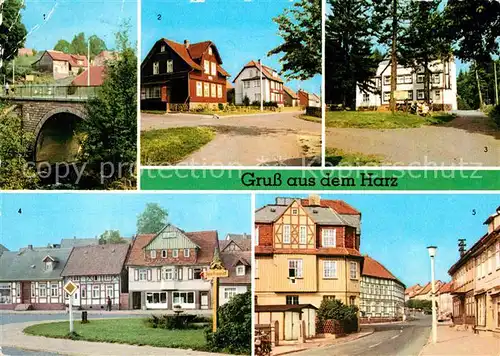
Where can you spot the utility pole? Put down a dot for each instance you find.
(88, 62)
(432, 254)
(261, 88)
(479, 89)
(496, 83)
(394, 61)
(13, 69)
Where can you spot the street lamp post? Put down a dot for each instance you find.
(432, 253)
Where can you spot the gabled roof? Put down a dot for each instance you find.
(428, 287)
(97, 76)
(206, 240)
(231, 260)
(413, 289)
(74, 242)
(28, 265)
(244, 245)
(373, 268)
(96, 260)
(237, 237)
(446, 288)
(65, 57)
(267, 72)
(290, 92)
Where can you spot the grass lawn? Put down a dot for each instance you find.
(154, 112)
(382, 120)
(170, 146)
(337, 157)
(124, 331)
(310, 118)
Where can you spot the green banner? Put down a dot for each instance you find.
(318, 179)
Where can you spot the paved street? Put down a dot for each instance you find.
(469, 140)
(388, 339)
(249, 140)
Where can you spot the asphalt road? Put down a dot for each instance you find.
(388, 339)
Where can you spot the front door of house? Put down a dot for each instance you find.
(292, 325)
(204, 300)
(136, 300)
(26, 293)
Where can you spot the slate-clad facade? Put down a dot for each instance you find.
(236, 256)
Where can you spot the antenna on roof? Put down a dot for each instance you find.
(462, 246)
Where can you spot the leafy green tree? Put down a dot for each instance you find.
(152, 219)
(474, 26)
(97, 45)
(234, 331)
(350, 60)
(109, 150)
(63, 46)
(423, 39)
(12, 31)
(79, 44)
(111, 237)
(300, 28)
(15, 173)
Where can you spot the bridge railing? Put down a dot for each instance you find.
(70, 92)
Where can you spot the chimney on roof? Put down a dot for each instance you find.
(493, 221)
(186, 43)
(314, 200)
(461, 247)
(30, 247)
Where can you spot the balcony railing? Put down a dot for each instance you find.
(49, 92)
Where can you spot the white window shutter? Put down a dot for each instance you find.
(136, 274)
(190, 273)
(158, 274)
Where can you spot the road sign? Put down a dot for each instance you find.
(216, 273)
(70, 288)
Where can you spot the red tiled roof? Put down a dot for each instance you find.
(206, 240)
(196, 50)
(413, 289)
(97, 76)
(290, 92)
(339, 206)
(65, 57)
(373, 268)
(229, 85)
(427, 288)
(181, 50)
(446, 288)
(96, 260)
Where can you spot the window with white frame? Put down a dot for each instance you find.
(410, 94)
(387, 80)
(199, 89)
(387, 96)
(170, 65)
(408, 79)
(229, 292)
(366, 97)
(246, 84)
(95, 292)
(219, 90)
(186, 252)
(240, 270)
(303, 235)
(156, 67)
(152, 253)
(143, 275)
(329, 237)
(83, 293)
(420, 78)
(214, 68)
(206, 65)
(286, 234)
(256, 83)
(353, 270)
(214, 90)
(54, 290)
(42, 290)
(329, 269)
(164, 253)
(109, 291)
(437, 95)
(32, 289)
(294, 268)
(175, 253)
(436, 78)
(168, 273)
(420, 94)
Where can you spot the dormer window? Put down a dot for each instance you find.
(186, 252)
(49, 265)
(175, 253)
(240, 270)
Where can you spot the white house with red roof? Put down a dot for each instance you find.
(61, 65)
(247, 84)
(166, 269)
(382, 294)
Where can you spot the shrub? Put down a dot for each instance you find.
(183, 321)
(221, 106)
(495, 115)
(233, 334)
(334, 309)
(246, 101)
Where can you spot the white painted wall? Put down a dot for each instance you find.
(240, 289)
(156, 283)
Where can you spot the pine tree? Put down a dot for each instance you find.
(349, 58)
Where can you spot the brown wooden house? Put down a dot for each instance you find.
(182, 76)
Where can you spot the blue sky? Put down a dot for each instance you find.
(396, 229)
(241, 30)
(62, 19)
(46, 218)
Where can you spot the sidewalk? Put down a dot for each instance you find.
(454, 343)
(287, 347)
(11, 335)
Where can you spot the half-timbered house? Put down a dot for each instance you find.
(166, 269)
(31, 278)
(190, 75)
(99, 272)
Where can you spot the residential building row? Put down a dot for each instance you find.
(152, 271)
(443, 296)
(476, 282)
(308, 250)
(410, 86)
(191, 75)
